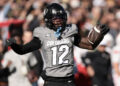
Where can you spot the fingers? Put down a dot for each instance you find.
(105, 31)
(103, 28)
(10, 41)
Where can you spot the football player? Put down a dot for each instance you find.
(56, 42)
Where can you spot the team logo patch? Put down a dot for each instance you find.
(47, 35)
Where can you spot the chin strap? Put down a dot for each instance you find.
(58, 32)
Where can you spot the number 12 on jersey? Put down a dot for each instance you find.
(60, 59)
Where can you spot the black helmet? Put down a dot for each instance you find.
(54, 10)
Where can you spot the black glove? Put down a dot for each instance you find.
(10, 41)
(102, 28)
(96, 34)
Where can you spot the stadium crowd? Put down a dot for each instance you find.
(18, 18)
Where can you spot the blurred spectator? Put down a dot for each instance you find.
(100, 3)
(1, 49)
(99, 66)
(114, 28)
(109, 42)
(74, 3)
(4, 72)
(4, 9)
(19, 63)
(5, 6)
(116, 61)
(28, 66)
(16, 29)
(80, 72)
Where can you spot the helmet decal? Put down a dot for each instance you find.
(45, 11)
(54, 11)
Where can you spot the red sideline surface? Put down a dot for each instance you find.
(11, 21)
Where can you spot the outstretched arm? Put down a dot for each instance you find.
(95, 36)
(22, 49)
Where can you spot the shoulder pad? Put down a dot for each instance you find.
(71, 29)
(37, 31)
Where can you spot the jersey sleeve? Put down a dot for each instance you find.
(34, 44)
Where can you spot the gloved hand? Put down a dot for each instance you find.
(96, 34)
(102, 28)
(10, 41)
